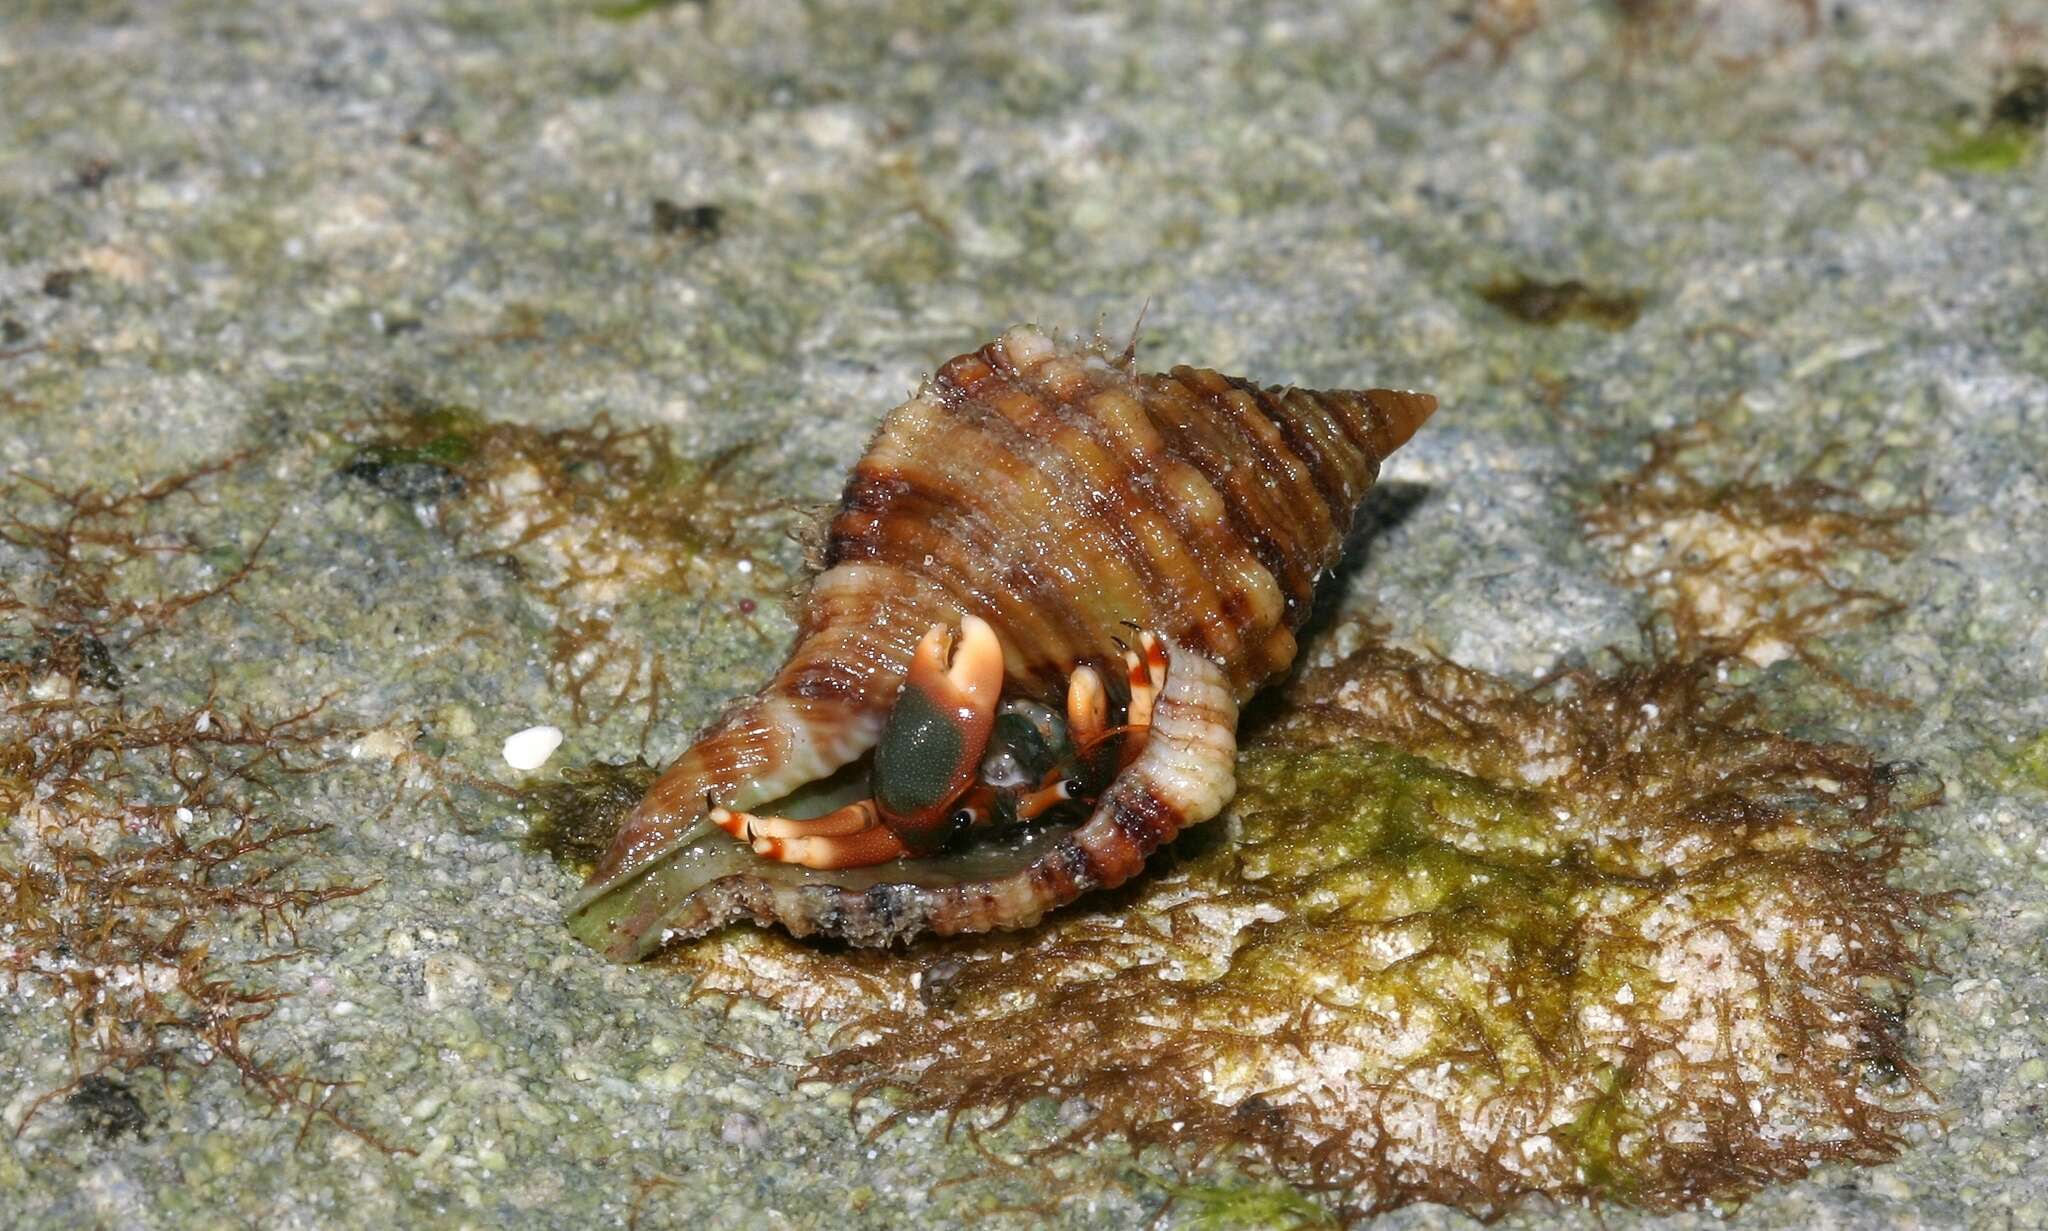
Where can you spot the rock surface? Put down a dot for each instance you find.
(254, 230)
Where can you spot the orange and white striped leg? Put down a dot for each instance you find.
(876, 844)
(849, 837)
(1146, 667)
(1044, 799)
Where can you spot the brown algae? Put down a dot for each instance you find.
(587, 517)
(1740, 566)
(146, 869)
(1462, 944)
(1535, 302)
(573, 818)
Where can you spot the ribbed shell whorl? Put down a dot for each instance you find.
(1058, 494)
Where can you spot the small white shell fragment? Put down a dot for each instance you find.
(531, 748)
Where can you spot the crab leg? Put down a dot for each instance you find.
(1044, 799)
(980, 803)
(873, 845)
(747, 827)
(1087, 707)
(1147, 670)
(849, 837)
(1147, 667)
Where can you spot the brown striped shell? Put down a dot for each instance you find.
(1060, 495)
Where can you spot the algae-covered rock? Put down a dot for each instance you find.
(379, 381)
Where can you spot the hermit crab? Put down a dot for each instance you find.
(1041, 540)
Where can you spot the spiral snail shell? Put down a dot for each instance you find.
(1039, 518)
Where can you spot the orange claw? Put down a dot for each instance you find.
(974, 679)
(938, 730)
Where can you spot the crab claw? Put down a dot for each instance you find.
(936, 733)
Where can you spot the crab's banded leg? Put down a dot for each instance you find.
(1147, 667)
(1045, 799)
(873, 845)
(747, 827)
(849, 837)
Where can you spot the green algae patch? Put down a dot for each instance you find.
(1536, 302)
(573, 819)
(1992, 150)
(1455, 942)
(148, 868)
(2010, 132)
(634, 10)
(2030, 765)
(446, 450)
(1230, 1207)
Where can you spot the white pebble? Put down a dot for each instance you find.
(531, 748)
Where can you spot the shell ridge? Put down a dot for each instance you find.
(1197, 615)
(1057, 515)
(1294, 487)
(1302, 415)
(1085, 510)
(1215, 444)
(1152, 525)
(1050, 618)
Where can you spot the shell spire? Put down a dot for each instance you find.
(1067, 500)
